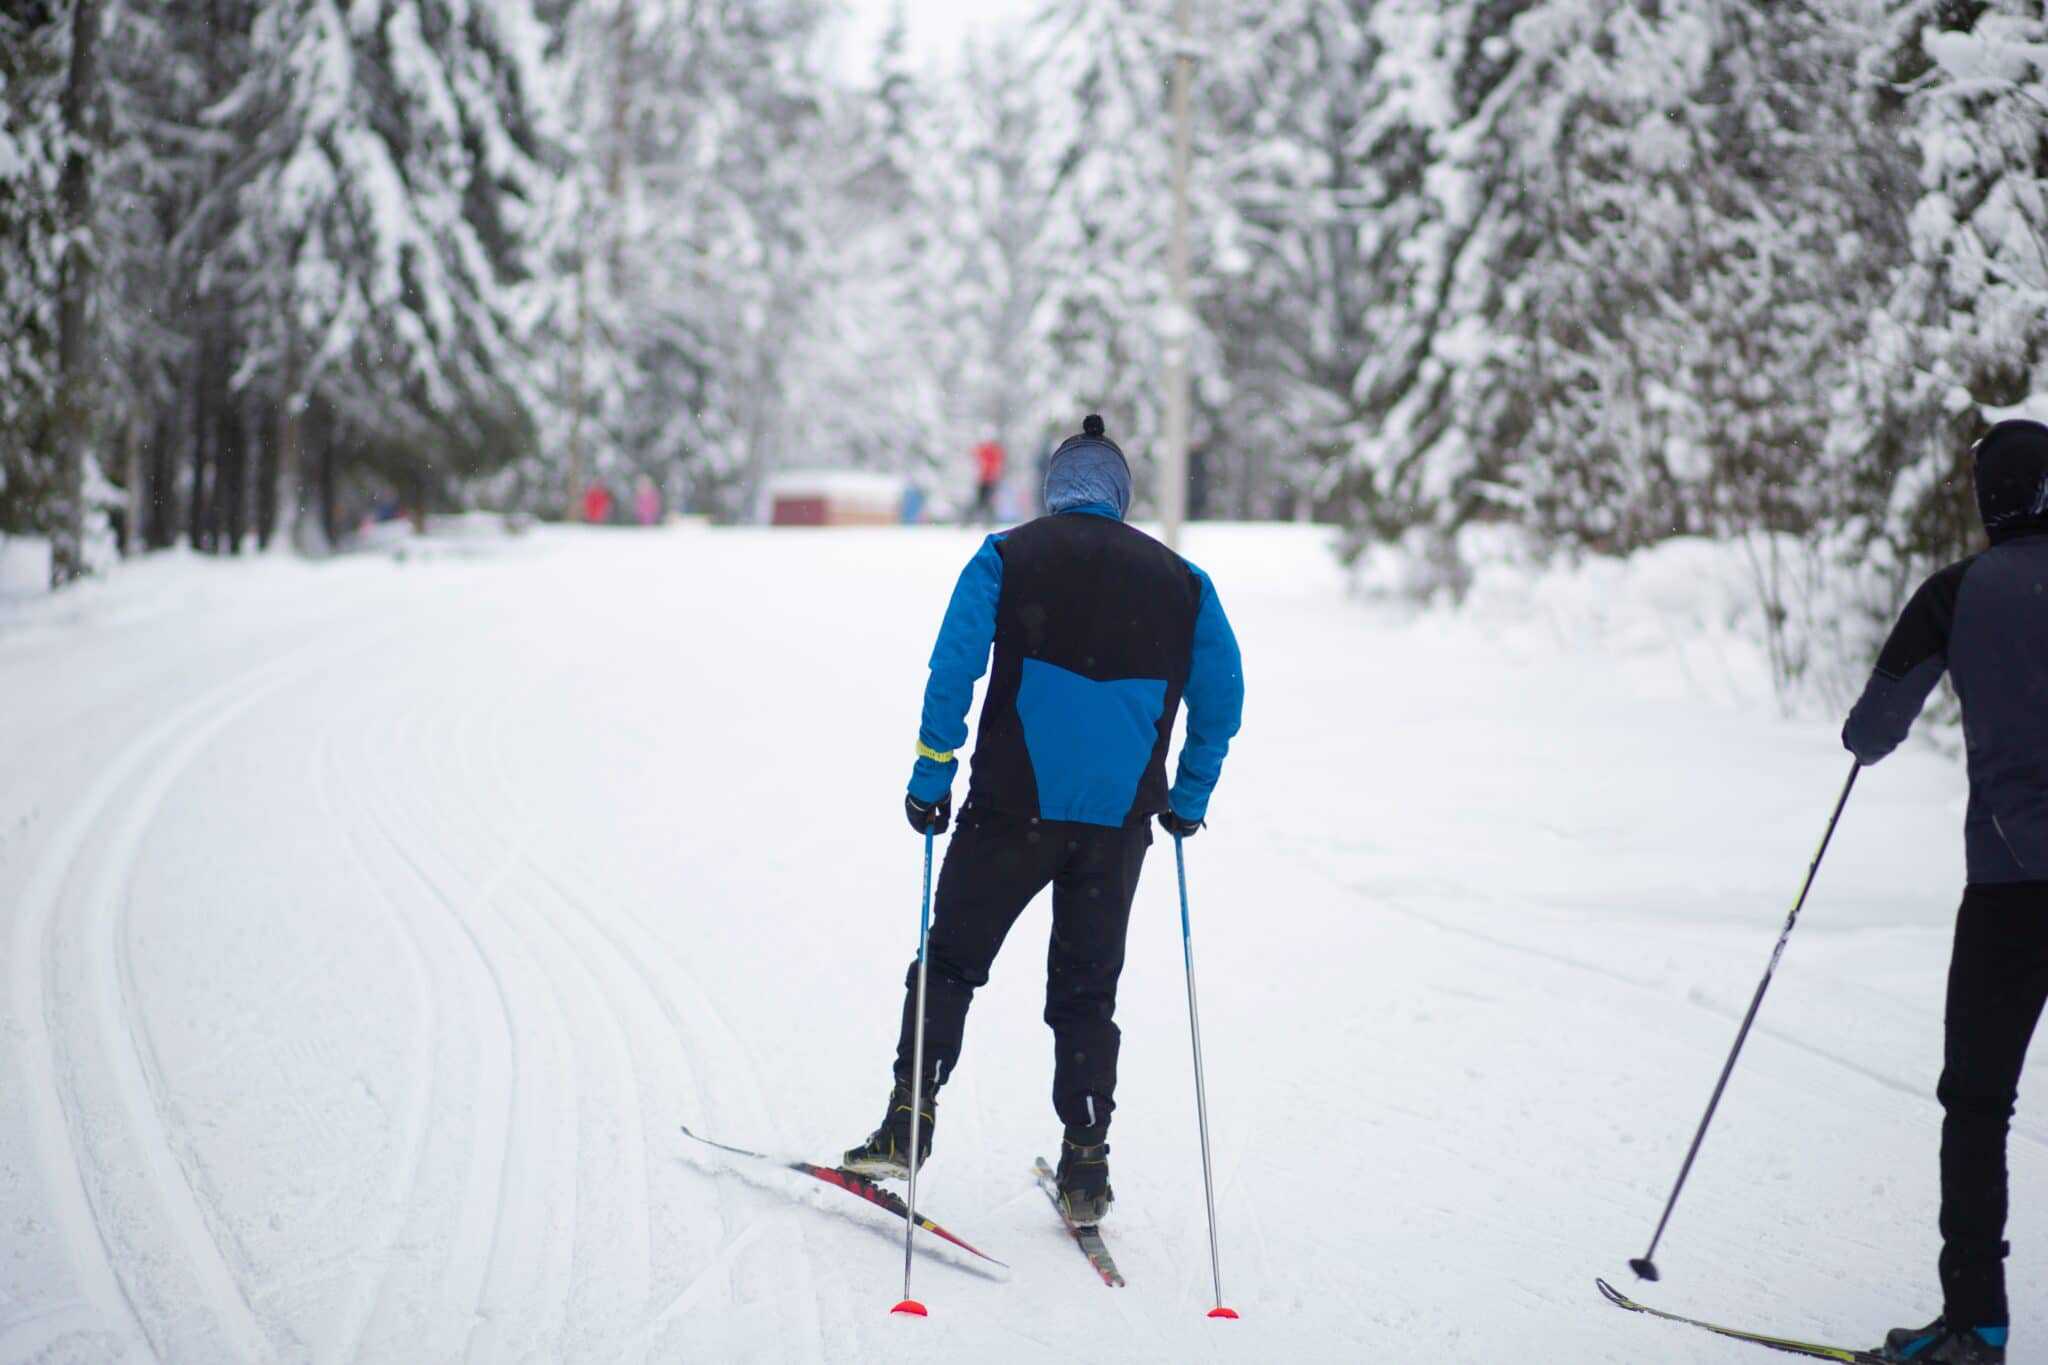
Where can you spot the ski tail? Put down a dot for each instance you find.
(723, 1147)
(1089, 1239)
(857, 1185)
(1811, 1350)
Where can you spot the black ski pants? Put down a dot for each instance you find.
(1997, 983)
(996, 864)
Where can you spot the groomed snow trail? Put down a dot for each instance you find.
(371, 926)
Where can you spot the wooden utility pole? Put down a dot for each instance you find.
(1173, 466)
(615, 192)
(576, 374)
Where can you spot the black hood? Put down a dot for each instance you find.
(2012, 479)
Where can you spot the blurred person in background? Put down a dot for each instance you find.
(989, 459)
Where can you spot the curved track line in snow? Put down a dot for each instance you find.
(401, 1190)
(173, 1170)
(805, 1292)
(549, 1128)
(660, 994)
(556, 1255)
(626, 1162)
(42, 1097)
(478, 1258)
(693, 1290)
(630, 969)
(37, 1336)
(74, 1203)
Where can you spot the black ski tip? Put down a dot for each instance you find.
(1611, 1294)
(1645, 1269)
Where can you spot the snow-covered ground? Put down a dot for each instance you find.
(370, 926)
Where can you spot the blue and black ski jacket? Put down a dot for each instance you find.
(1099, 633)
(1985, 621)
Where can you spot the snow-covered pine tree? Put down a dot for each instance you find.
(32, 48)
(1435, 433)
(1704, 263)
(1100, 71)
(703, 120)
(51, 135)
(156, 160)
(386, 216)
(878, 204)
(988, 265)
(1319, 180)
(1964, 336)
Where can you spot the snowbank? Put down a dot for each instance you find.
(1754, 619)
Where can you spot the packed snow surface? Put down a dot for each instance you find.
(371, 926)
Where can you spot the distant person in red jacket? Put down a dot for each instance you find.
(988, 474)
(597, 504)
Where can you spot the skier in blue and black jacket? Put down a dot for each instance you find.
(1984, 621)
(1099, 633)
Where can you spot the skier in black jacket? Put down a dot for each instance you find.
(1099, 633)
(1984, 620)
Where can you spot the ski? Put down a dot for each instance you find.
(858, 1185)
(1088, 1238)
(1810, 1349)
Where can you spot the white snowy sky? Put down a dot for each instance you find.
(936, 27)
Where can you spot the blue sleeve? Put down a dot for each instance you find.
(958, 661)
(1215, 698)
(1911, 663)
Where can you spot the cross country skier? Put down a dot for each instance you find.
(1986, 621)
(1099, 633)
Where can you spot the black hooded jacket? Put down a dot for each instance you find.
(1984, 620)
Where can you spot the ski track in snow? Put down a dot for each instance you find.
(399, 1193)
(104, 1132)
(609, 821)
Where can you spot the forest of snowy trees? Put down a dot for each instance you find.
(1608, 270)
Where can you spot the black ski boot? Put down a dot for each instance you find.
(885, 1155)
(1085, 1195)
(1940, 1344)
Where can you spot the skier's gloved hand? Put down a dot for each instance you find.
(1177, 827)
(929, 817)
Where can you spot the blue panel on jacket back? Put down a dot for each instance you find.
(1089, 741)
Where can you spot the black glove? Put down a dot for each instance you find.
(1177, 827)
(932, 818)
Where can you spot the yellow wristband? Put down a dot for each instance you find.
(925, 750)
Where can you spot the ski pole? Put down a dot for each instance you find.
(1187, 943)
(1646, 1266)
(924, 931)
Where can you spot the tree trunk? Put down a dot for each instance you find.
(286, 499)
(200, 529)
(162, 510)
(234, 483)
(265, 430)
(135, 471)
(74, 195)
(327, 522)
